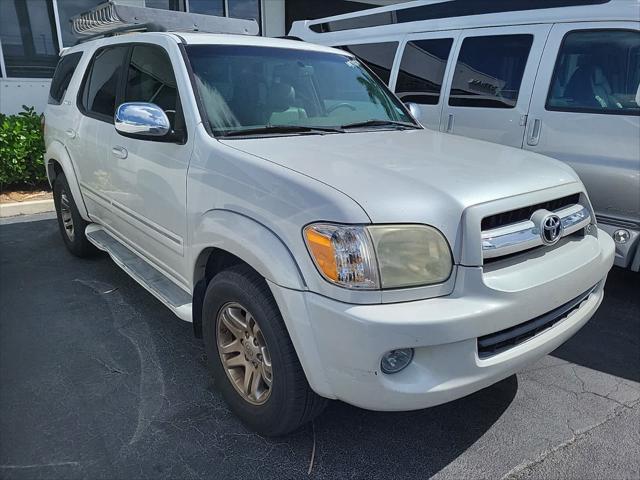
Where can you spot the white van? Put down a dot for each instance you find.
(561, 81)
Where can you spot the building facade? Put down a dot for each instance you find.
(32, 32)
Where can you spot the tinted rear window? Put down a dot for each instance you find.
(61, 78)
(377, 56)
(489, 71)
(422, 70)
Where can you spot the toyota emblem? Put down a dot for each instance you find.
(550, 229)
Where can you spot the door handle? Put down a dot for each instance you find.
(450, 123)
(70, 133)
(119, 151)
(534, 133)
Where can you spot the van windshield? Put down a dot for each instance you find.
(253, 90)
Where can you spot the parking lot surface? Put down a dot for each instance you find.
(99, 380)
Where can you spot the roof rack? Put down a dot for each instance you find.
(112, 18)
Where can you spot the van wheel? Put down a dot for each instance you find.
(71, 224)
(251, 356)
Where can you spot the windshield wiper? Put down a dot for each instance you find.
(380, 123)
(275, 129)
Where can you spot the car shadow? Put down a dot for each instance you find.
(610, 341)
(422, 442)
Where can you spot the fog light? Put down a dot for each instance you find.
(621, 236)
(396, 360)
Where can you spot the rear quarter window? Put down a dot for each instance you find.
(62, 77)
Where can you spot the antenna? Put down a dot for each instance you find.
(111, 18)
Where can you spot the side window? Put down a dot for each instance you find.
(377, 56)
(422, 70)
(101, 84)
(597, 71)
(489, 71)
(62, 76)
(150, 78)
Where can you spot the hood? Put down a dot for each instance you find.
(412, 176)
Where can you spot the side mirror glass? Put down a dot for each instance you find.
(414, 109)
(142, 120)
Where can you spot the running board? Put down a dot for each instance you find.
(154, 281)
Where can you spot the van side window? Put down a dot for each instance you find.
(62, 76)
(597, 71)
(150, 78)
(101, 84)
(489, 71)
(422, 70)
(377, 56)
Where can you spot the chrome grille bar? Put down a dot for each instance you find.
(521, 236)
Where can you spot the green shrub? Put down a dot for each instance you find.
(21, 150)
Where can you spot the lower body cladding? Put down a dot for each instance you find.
(549, 296)
(626, 236)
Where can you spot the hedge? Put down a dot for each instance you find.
(21, 150)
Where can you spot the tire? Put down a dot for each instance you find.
(290, 402)
(71, 224)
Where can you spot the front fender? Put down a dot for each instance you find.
(250, 241)
(57, 152)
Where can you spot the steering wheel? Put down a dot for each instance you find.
(341, 105)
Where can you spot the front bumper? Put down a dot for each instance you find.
(340, 345)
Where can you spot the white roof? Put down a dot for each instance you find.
(193, 38)
(613, 10)
(196, 38)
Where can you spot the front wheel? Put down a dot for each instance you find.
(251, 357)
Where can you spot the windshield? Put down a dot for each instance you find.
(278, 90)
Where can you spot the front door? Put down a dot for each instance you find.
(150, 176)
(423, 67)
(585, 111)
(490, 88)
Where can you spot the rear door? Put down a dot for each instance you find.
(491, 83)
(90, 139)
(424, 65)
(585, 111)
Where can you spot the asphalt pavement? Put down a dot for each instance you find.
(99, 380)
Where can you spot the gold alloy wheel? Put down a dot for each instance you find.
(244, 353)
(65, 213)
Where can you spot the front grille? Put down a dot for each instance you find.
(498, 342)
(524, 213)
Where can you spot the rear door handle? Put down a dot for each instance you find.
(119, 151)
(70, 133)
(450, 123)
(533, 136)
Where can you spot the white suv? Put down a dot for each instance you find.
(324, 244)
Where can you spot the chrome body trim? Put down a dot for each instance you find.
(524, 235)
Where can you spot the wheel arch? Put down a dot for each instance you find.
(224, 238)
(57, 161)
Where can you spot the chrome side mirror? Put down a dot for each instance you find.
(141, 120)
(414, 109)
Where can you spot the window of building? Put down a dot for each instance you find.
(377, 56)
(208, 7)
(28, 35)
(151, 79)
(597, 71)
(249, 9)
(165, 4)
(422, 70)
(61, 78)
(101, 84)
(489, 71)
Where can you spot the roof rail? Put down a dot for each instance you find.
(111, 18)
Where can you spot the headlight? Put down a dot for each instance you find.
(384, 256)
